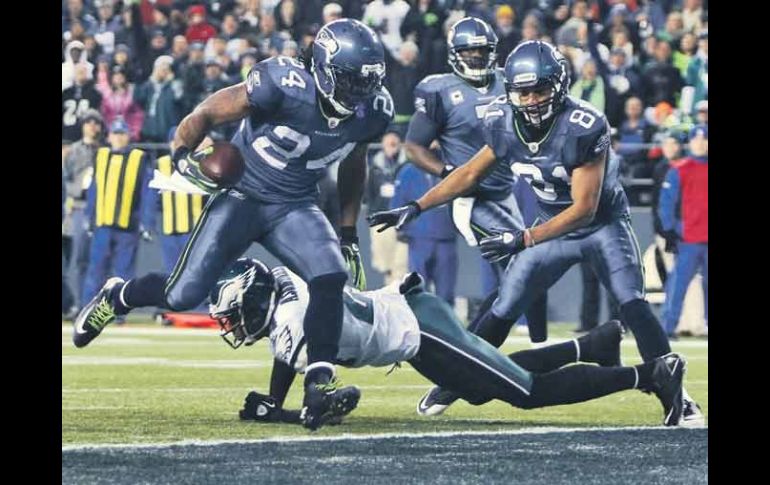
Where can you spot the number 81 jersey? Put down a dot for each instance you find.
(579, 134)
(287, 142)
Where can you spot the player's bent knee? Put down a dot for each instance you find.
(185, 297)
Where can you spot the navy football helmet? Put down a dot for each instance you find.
(243, 301)
(472, 33)
(348, 63)
(536, 66)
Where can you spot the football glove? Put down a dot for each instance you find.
(188, 164)
(397, 217)
(265, 409)
(352, 255)
(501, 245)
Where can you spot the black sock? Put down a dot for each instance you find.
(650, 337)
(546, 359)
(492, 329)
(644, 371)
(319, 375)
(577, 383)
(537, 319)
(323, 318)
(147, 290)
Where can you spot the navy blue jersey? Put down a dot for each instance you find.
(286, 141)
(579, 134)
(449, 109)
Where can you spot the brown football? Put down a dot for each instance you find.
(224, 165)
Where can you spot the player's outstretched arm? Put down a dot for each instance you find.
(426, 160)
(351, 178)
(269, 409)
(586, 192)
(457, 183)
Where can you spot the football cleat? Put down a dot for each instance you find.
(435, 401)
(326, 404)
(667, 376)
(99, 313)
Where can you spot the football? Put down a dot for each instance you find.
(224, 165)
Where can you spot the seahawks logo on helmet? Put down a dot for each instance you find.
(327, 40)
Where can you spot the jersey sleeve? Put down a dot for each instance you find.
(429, 117)
(494, 135)
(592, 134)
(264, 95)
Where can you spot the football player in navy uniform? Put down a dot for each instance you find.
(297, 117)
(451, 108)
(561, 146)
(403, 322)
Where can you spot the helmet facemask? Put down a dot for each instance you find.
(536, 113)
(476, 69)
(244, 308)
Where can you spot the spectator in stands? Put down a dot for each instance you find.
(681, 57)
(507, 33)
(589, 87)
(531, 28)
(118, 102)
(634, 131)
(621, 82)
(692, 15)
(74, 55)
(662, 81)
(122, 57)
(76, 14)
(698, 70)
(388, 255)
(674, 28)
(683, 210)
(179, 52)
(385, 17)
(269, 41)
(194, 73)
(423, 24)
(198, 30)
(432, 238)
(331, 11)
(76, 101)
(650, 18)
(160, 98)
(247, 60)
(106, 26)
(77, 170)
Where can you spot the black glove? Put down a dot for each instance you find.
(672, 241)
(395, 217)
(501, 245)
(259, 407)
(352, 255)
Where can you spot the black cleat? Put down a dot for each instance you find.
(436, 401)
(325, 404)
(667, 377)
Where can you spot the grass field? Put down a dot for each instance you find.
(142, 384)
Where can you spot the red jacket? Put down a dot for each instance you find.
(684, 199)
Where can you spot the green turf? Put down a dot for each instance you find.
(128, 388)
